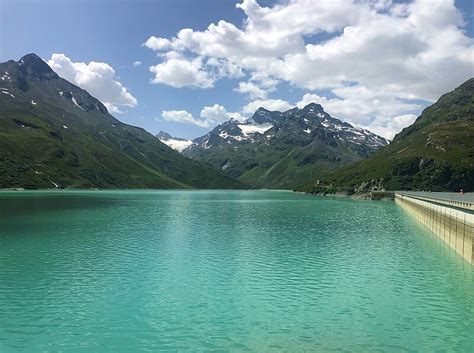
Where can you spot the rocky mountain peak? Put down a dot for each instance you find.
(31, 57)
(32, 65)
(313, 107)
(19, 77)
(163, 135)
(264, 116)
(312, 111)
(304, 125)
(283, 149)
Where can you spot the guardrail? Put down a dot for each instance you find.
(465, 201)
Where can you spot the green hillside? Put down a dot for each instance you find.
(435, 153)
(54, 133)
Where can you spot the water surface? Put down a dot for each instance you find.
(225, 271)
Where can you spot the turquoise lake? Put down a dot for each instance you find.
(225, 271)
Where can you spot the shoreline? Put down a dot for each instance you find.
(366, 196)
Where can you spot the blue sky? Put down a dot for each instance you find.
(281, 54)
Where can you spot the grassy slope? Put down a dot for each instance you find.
(298, 165)
(284, 163)
(435, 153)
(95, 150)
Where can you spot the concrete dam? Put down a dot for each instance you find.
(449, 216)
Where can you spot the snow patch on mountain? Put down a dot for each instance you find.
(175, 143)
(226, 165)
(265, 124)
(249, 129)
(6, 77)
(178, 145)
(75, 102)
(5, 91)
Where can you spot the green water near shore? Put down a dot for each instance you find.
(225, 271)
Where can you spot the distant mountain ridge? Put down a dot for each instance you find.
(54, 134)
(435, 153)
(176, 143)
(276, 149)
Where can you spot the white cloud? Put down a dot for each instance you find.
(236, 116)
(98, 78)
(157, 43)
(266, 82)
(217, 114)
(258, 87)
(251, 89)
(182, 116)
(112, 109)
(179, 72)
(223, 68)
(137, 63)
(390, 127)
(210, 116)
(380, 55)
(269, 104)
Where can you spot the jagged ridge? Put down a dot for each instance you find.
(281, 149)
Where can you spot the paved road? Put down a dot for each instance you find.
(441, 196)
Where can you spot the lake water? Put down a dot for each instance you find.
(225, 271)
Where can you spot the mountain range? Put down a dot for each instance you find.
(54, 134)
(276, 149)
(435, 153)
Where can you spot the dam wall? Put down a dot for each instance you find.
(451, 221)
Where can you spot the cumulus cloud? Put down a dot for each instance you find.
(180, 72)
(378, 60)
(252, 90)
(217, 114)
(182, 116)
(157, 43)
(98, 78)
(269, 104)
(137, 63)
(390, 127)
(210, 116)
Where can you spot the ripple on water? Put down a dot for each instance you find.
(202, 271)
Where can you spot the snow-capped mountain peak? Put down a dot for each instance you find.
(283, 149)
(175, 143)
(303, 125)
